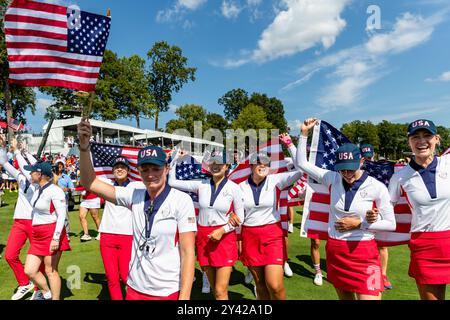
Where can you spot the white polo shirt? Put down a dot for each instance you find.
(260, 202)
(117, 219)
(428, 194)
(354, 201)
(214, 205)
(156, 269)
(49, 206)
(26, 190)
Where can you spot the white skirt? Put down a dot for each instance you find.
(91, 203)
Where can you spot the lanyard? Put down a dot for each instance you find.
(41, 190)
(126, 183)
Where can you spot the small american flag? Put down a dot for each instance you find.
(16, 125)
(52, 45)
(103, 156)
(326, 140)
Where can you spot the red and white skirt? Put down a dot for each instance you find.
(430, 257)
(263, 245)
(354, 266)
(41, 238)
(223, 253)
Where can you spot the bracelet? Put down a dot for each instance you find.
(86, 149)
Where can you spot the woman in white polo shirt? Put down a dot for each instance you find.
(356, 202)
(116, 232)
(264, 249)
(216, 239)
(49, 238)
(163, 254)
(426, 183)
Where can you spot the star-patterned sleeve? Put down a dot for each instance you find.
(183, 185)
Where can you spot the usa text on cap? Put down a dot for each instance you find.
(152, 155)
(422, 124)
(348, 157)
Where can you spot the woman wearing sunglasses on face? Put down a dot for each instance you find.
(216, 239)
(426, 183)
(264, 249)
(353, 262)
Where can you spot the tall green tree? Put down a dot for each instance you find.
(445, 137)
(273, 108)
(362, 132)
(393, 141)
(167, 73)
(187, 115)
(233, 102)
(22, 98)
(216, 121)
(252, 117)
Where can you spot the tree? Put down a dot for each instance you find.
(216, 121)
(273, 108)
(187, 115)
(445, 137)
(393, 141)
(22, 98)
(234, 101)
(252, 117)
(168, 72)
(362, 132)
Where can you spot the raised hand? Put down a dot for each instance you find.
(84, 133)
(307, 125)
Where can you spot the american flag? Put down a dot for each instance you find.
(52, 45)
(190, 169)
(14, 124)
(326, 140)
(103, 156)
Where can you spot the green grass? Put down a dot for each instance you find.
(87, 257)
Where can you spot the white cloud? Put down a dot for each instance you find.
(230, 9)
(409, 31)
(179, 9)
(356, 68)
(254, 3)
(42, 104)
(301, 25)
(444, 77)
(173, 108)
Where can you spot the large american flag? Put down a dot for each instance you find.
(103, 156)
(52, 45)
(326, 140)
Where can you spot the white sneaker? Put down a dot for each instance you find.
(22, 291)
(248, 277)
(291, 228)
(206, 288)
(85, 237)
(318, 279)
(98, 237)
(37, 295)
(287, 270)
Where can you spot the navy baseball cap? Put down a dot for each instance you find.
(121, 160)
(422, 124)
(366, 150)
(348, 157)
(42, 167)
(152, 155)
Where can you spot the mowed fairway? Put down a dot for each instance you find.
(85, 258)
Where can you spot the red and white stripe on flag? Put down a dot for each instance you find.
(277, 165)
(316, 212)
(37, 46)
(131, 154)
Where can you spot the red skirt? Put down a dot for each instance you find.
(136, 295)
(42, 236)
(223, 253)
(263, 245)
(354, 266)
(430, 257)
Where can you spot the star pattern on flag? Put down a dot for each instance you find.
(103, 155)
(381, 170)
(189, 169)
(330, 139)
(91, 37)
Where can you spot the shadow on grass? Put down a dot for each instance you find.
(65, 291)
(99, 278)
(307, 260)
(237, 278)
(2, 247)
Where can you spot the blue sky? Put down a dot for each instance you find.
(316, 56)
